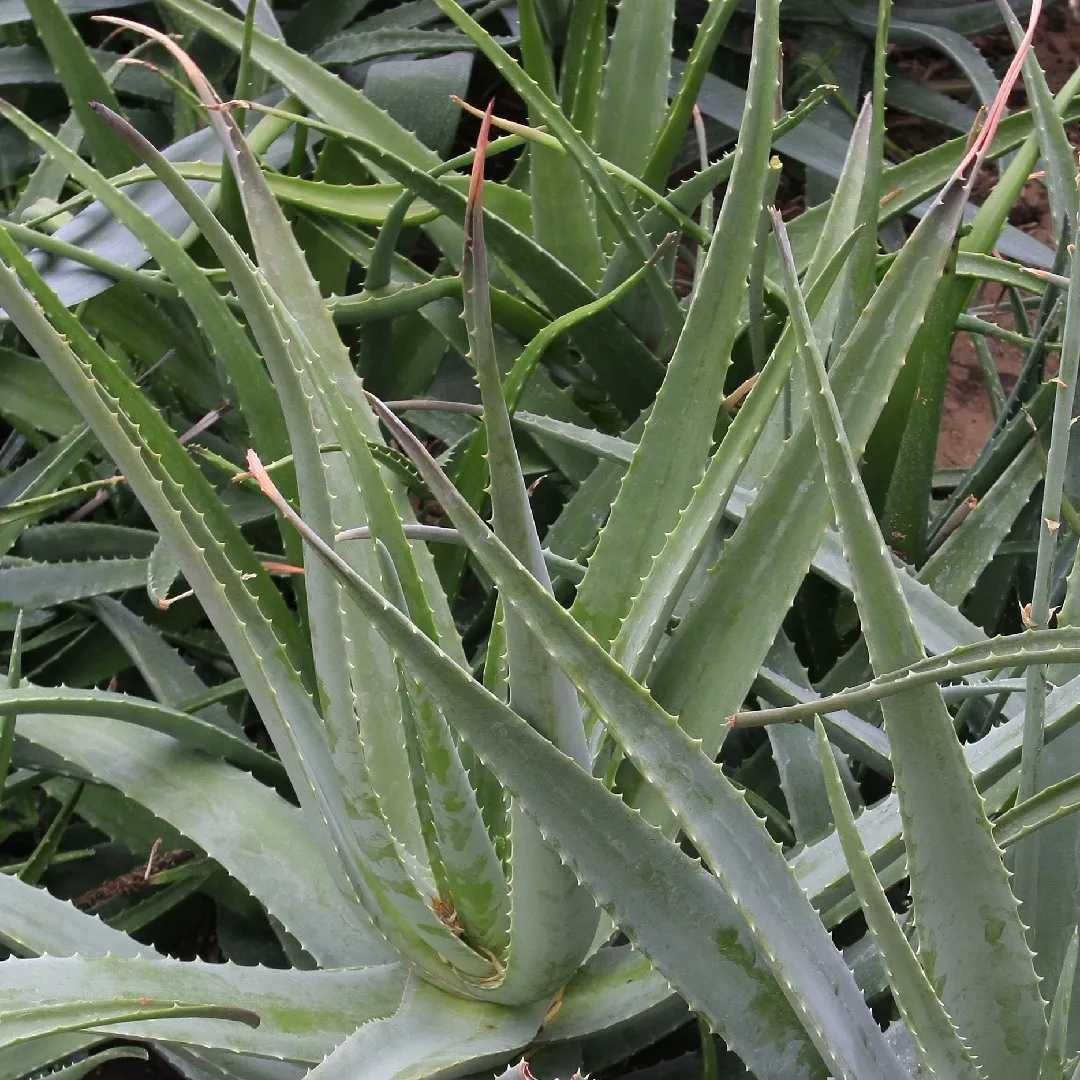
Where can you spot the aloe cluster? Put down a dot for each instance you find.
(562, 643)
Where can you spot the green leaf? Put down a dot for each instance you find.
(330, 97)
(609, 195)
(373, 686)
(1053, 803)
(679, 431)
(26, 510)
(940, 1046)
(752, 873)
(552, 919)
(910, 434)
(188, 730)
(646, 621)
(227, 337)
(634, 100)
(629, 370)
(89, 1064)
(351, 813)
(706, 671)
(564, 216)
(307, 894)
(82, 79)
(1055, 1053)
(1053, 140)
(983, 971)
(954, 568)
(44, 406)
(295, 1014)
(583, 65)
(999, 653)
(670, 136)
(432, 1034)
(33, 585)
(1027, 865)
(35, 867)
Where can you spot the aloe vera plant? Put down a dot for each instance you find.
(462, 665)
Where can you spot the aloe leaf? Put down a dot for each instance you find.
(27, 510)
(283, 703)
(1053, 141)
(14, 677)
(296, 1014)
(939, 624)
(629, 370)
(844, 215)
(678, 433)
(35, 922)
(34, 868)
(471, 472)
(634, 99)
(581, 77)
(45, 584)
(648, 914)
(713, 812)
(756, 422)
(939, 1043)
(1027, 866)
(706, 671)
(954, 568)
(162, 572)
(368, 682)
(466, 868)
(384, 883)
(1052, 804)
(44, 409)
(38, 475)
(991, 993)
(539, 692)
(83, 81)
(1033, 647)
(670, 135)
(367, 203)
(607, 192)
(324, 92)
(646, 622)
(89, 1064)
(432, 1034)
(230, 342)
(564, 219)
(307, 894)
(1055, 1052)
(613, 986)
(552, 919)
(186, 729)
(994, 762)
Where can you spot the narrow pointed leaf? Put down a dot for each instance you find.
(980, 967)
(677, 436)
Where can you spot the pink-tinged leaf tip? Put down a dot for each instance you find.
(996, 112)
(476, 180)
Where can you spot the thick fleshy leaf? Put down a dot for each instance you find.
(942, 1049)
(713, 812)
(981, 968)
(679, 431)
(293, 1014)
